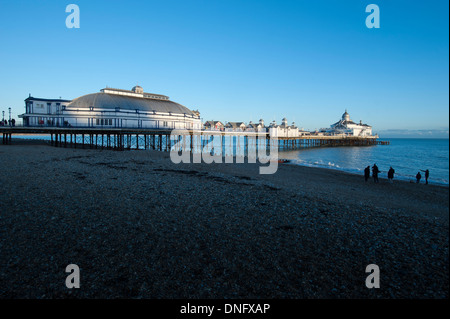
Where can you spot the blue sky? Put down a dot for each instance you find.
(239, 60)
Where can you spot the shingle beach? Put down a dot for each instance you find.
(139, 226)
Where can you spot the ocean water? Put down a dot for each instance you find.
(406, 156)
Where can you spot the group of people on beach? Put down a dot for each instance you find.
(419, 176)
(390, 174)
(5, 122)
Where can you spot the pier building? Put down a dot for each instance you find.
(346, 126)
(111, 108)
(214, 126)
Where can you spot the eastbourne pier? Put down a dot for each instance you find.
(120, 119)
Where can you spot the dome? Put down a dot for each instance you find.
(123, 102)
(346, 116)
(137, 89)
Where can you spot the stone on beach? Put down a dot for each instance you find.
(139, 226)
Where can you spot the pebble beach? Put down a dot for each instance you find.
(139, 226)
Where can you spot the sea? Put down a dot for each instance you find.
(407, 156)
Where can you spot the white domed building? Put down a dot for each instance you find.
(346, 126)
(112, 108)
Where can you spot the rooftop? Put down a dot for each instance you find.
(118, 99)
(136, 91)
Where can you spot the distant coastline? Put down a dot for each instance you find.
(440, 134)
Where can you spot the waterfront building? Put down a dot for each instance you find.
(256, 127)
(235, 126)
(43, 112)
(214, 126)
(345, 126)
(111, 108)
(302, 132)
(284, 129)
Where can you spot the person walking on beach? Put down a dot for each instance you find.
(391, 175)
(427, 174)
(375, 172)
(418, 177)
(367, 173)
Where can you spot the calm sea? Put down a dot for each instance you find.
(406, 156)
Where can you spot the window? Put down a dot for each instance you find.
(98, 121)
(165, 123)
(110, 121)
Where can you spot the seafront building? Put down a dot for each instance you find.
(284, 129)
(345, 126)
(214, 126)
(111, 108)
(256, 127)
(235, 126)
(43, 112)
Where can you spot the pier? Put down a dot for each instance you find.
(153, 139)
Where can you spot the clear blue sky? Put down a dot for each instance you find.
(238, 60)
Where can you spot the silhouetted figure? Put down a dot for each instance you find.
(427, 174)
(418, 177)
(13, 122)
(391, 175)
(375, 172)
(367, 173)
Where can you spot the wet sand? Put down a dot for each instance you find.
(139, 226)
